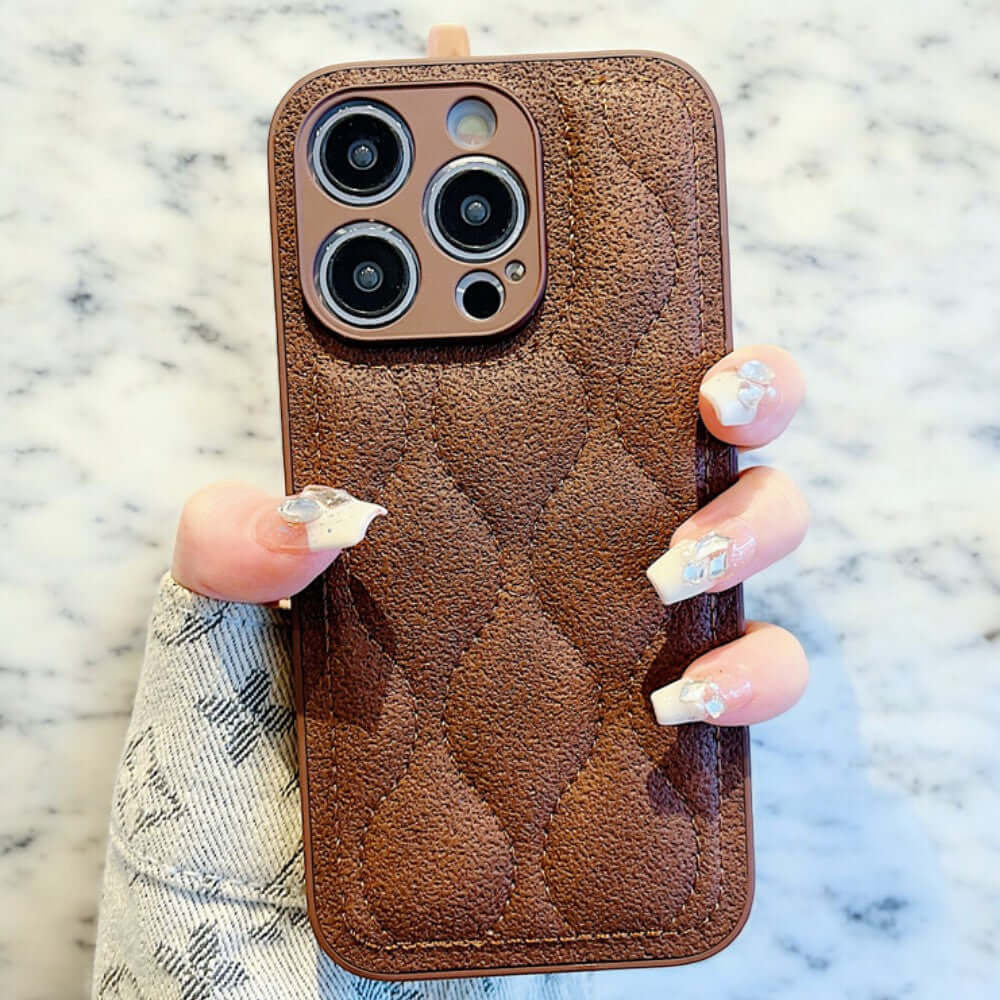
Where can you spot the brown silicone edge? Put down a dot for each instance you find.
(750, 884)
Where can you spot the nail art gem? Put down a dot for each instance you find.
(707, 557)
(691, 567)
(756, 371)
(332, 518)
(735, 395)
(312, 503)
(706, 696)
(702, 698)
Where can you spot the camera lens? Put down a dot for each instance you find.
(367, 274)
(475, 208)
(361, 152)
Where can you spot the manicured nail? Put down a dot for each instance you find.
(702, 696)
(692, 566)
(735, 395)
(316, 520)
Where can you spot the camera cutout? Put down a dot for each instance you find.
(361, 152)
(471, 123)
(475, 208)
(368, 273)
(393, 205)
(480, 295)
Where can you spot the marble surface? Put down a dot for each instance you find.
(137, 364)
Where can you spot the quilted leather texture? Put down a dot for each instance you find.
(484, 786)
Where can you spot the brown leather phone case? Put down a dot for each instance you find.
(484, 787)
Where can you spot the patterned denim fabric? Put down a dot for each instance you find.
(203, 891)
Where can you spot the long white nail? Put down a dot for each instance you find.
(316, 520)
(699, 699)
(735, 395)
(691, 567)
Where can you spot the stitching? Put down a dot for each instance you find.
(473, 639)
(366, 826)
(373, 809)
(354, 932)
(551, 939)
(588, 416)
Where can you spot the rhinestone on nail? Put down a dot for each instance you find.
(715, 707)
(707, 695)
(300, 510)
(312, 503)
(709, 556)
(756, 371)
(750, 394)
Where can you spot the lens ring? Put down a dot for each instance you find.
(386, 117)
(471, 279)
(398, 243)
(454, 169)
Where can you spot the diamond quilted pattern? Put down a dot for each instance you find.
(433, 574)
(607, 521)
(489, 435)
(521, 714)
(438, 861)
(362, 410)
(623, 273)
(601, 862)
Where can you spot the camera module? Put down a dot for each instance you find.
(367, 274)
(361, 152)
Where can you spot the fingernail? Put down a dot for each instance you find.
(735, 395)
(692, 566)
(318, 519)
(702, 695)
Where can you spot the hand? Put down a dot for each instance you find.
(233, 544)
(747, 400)
(226, 540)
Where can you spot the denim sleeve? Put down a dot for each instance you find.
(203, 893)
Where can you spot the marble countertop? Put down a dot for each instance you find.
(135, 289)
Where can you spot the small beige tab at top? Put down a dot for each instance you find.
(447, 41)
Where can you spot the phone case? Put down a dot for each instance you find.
(484, 787)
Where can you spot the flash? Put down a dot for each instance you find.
(471, 123)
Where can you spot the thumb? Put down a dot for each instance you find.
(238, 543)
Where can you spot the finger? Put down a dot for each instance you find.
(237, 543)
(754, 523)
(748, 397)
(754, 678)
(447, 41)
